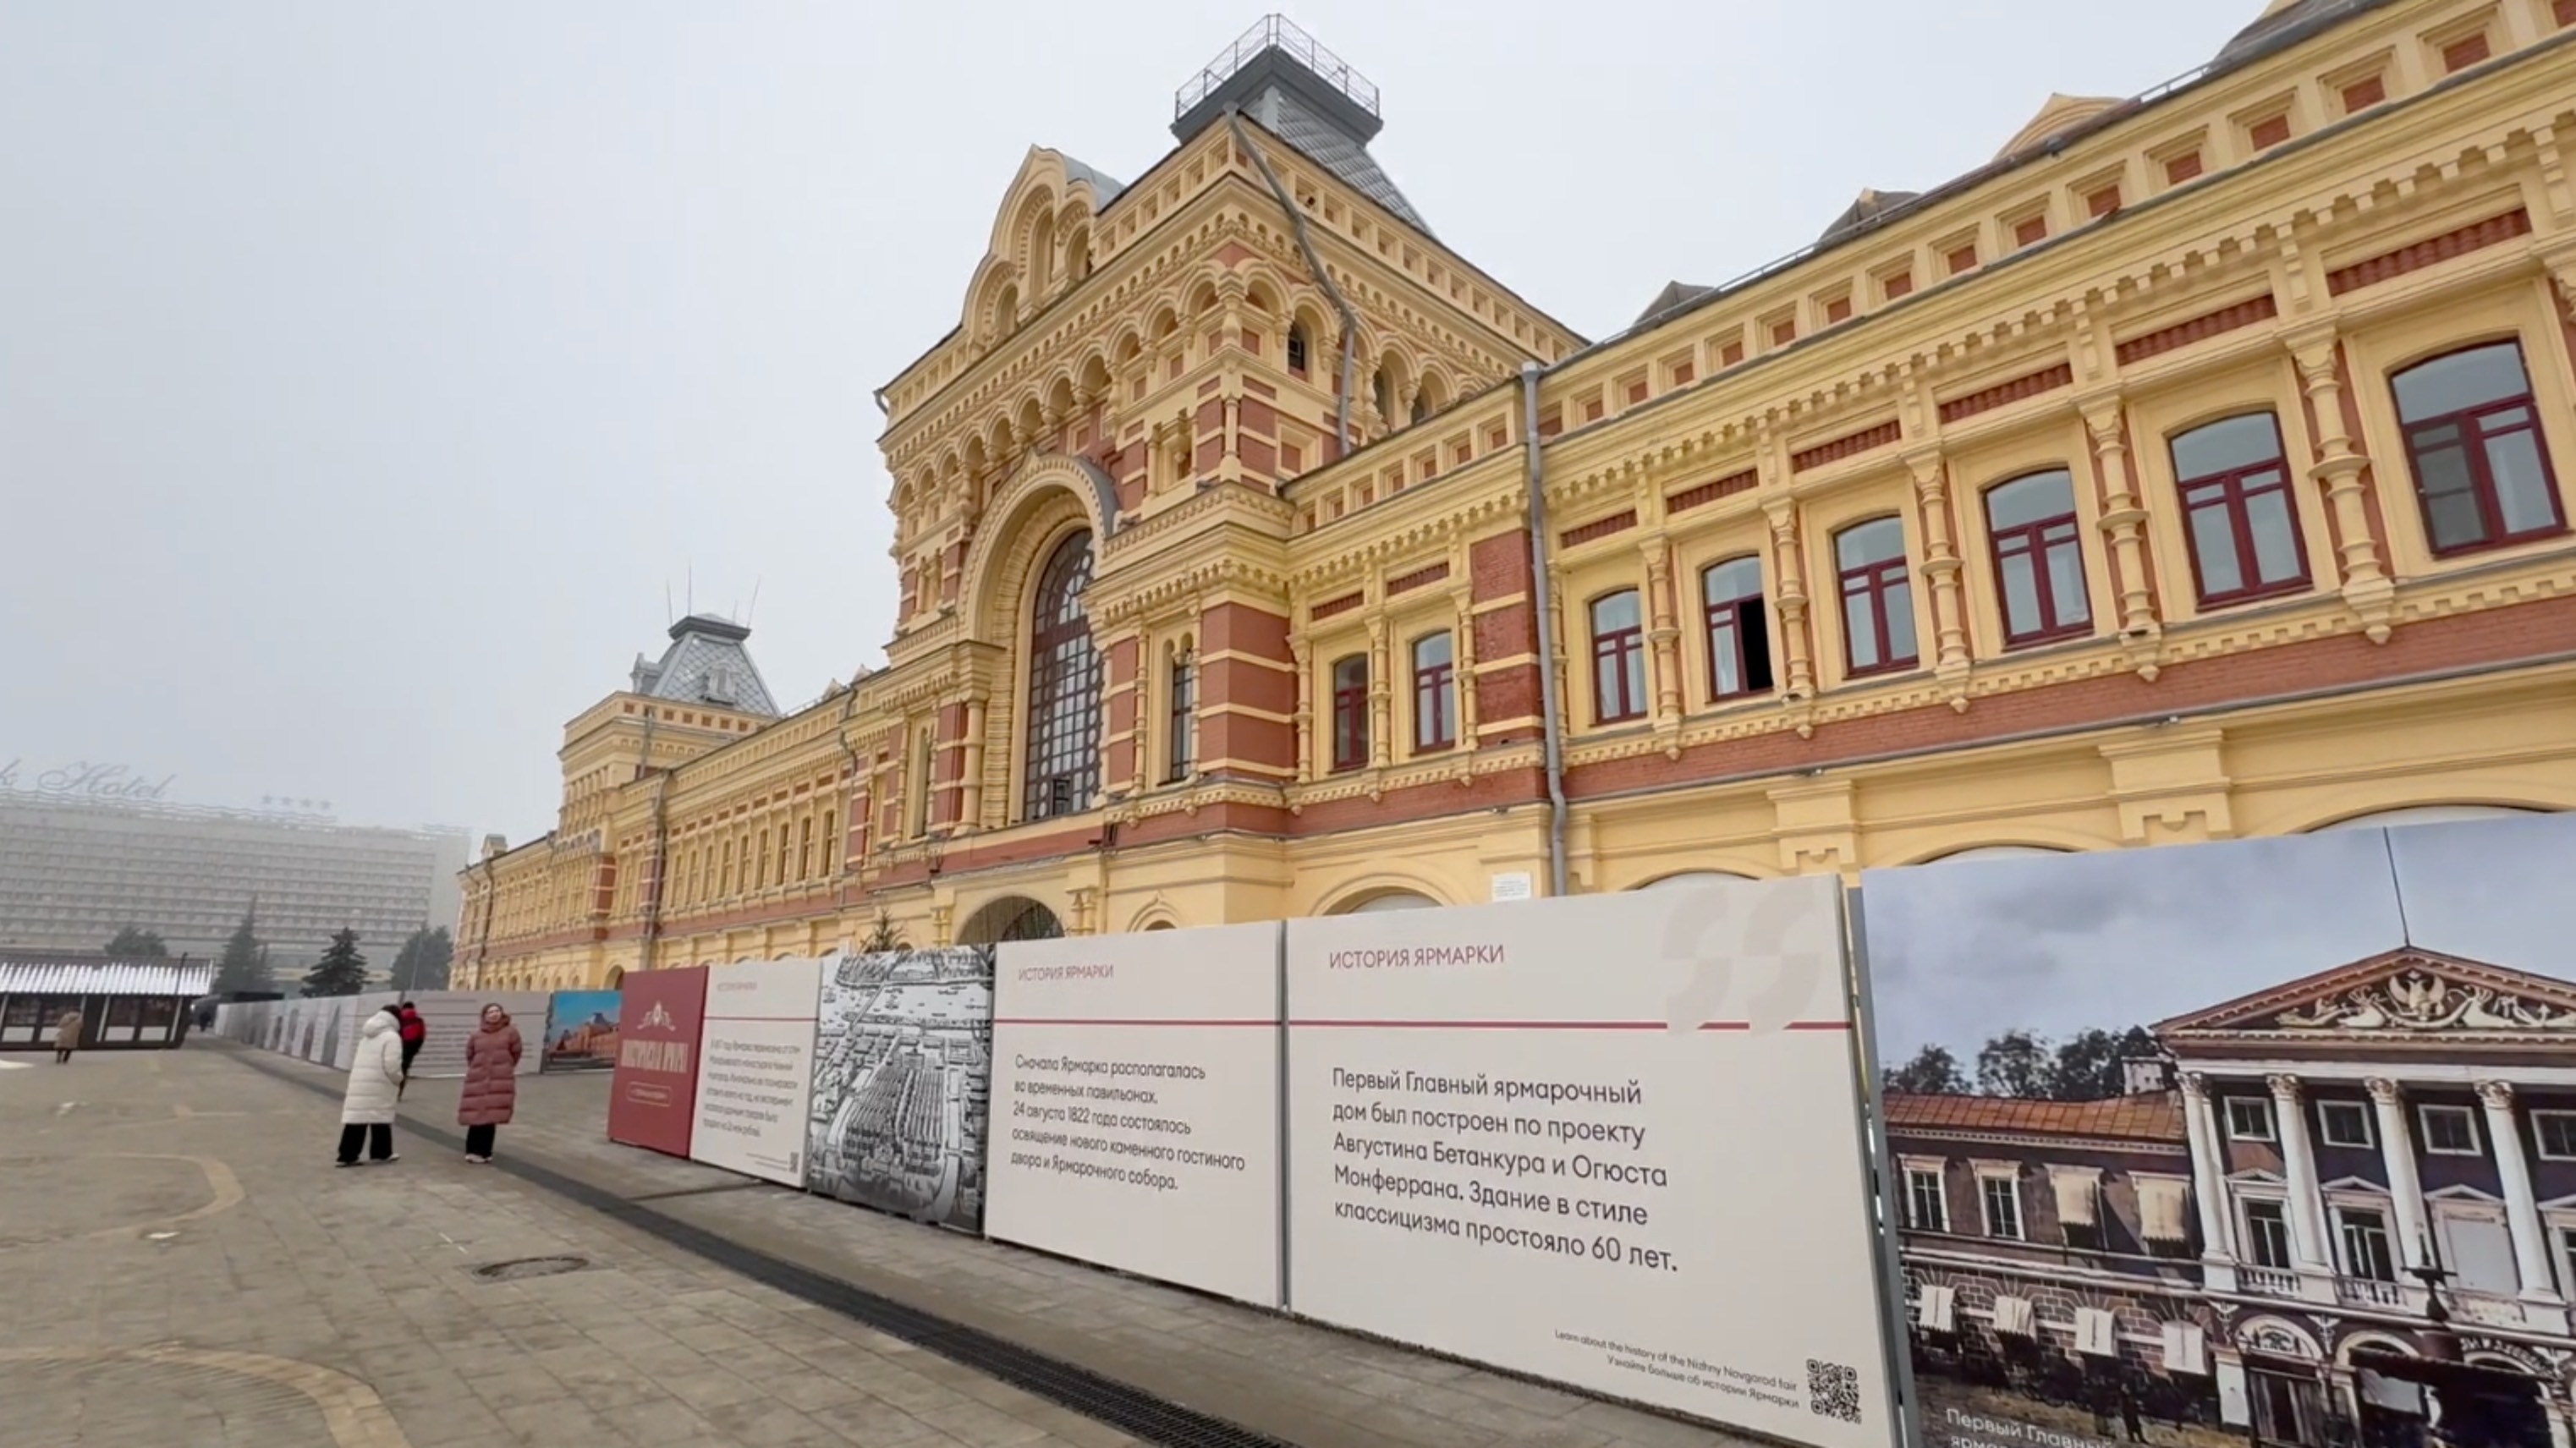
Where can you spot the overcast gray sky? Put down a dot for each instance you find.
(1959, 952)
(367, 371)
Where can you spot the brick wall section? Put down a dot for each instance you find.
(2476, 236)
(1264, 679)
(2198, 329)
(1507, 692)
(1119, 687)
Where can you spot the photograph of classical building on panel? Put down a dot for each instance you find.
(2272, 1140)
(903, 1077)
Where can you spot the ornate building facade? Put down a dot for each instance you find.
(2200, 467)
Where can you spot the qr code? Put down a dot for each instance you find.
(1833, 1390)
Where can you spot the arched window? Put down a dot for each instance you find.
(2238, 512)
(1618, 658)
(1063, 763)
(1739, 643)
(2039, 564)
(1878, 597)
(1350, 712)
(1435, 693)
(1422, 404)
(1297, 348)
(2473, 438)
(1388, 900)
(1385, 390)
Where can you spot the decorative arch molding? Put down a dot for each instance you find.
(2025, 839)
(1681, 879)
(2279, 1337)
(1362, 896)
(2381, 1341)
(1028, 514)
(1154, 914)
(2442, 812)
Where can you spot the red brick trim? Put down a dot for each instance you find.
(1598, 528)
(2476, 236)
(1710, 492)
(2047, 379)
(1332, 606)
(1418, 578)
(1843, 447)
(2199, 329)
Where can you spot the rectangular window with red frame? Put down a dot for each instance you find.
(1618, 658)
(2238, 512)
(1435, 693)
(1878, 597)
(2039, 557)
(2482, 474)
(1351, 712)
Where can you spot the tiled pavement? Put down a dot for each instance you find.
(362, 1273)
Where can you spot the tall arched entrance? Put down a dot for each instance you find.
(1013, 917)
(1062, 763)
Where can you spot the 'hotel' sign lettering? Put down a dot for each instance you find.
(85, 780)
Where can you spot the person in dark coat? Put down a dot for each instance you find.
(491, 1082)
(415, 1031)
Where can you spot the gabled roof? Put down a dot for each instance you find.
(1869, 206)
(706, 664)
(2408, 994)
(1104, 187)
(2152, 1117)
(1674, 294)
(1286, 81)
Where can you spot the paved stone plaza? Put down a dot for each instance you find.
(190, 1270)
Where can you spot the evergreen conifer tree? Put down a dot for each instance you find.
(341, 970)
(243, 966)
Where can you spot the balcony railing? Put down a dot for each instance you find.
(2368, 1292)
(2270, 1281)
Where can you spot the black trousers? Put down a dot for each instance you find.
(61, 1054)
(478, 1140)
(378, 1138)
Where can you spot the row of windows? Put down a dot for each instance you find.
(2472, 437)
(2444, 1130)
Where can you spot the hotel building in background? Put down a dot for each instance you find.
(76, 869)
(2198, 467)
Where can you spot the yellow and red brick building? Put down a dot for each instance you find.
(2200, 467)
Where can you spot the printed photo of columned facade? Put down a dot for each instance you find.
(2178, 1158)
(903, 1082)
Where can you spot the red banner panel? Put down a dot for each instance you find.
(654, 1096)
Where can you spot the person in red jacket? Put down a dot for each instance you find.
(414, 1031)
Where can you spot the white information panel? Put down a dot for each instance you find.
(1136, 1104)
(756, 1068)
(1611, 1140)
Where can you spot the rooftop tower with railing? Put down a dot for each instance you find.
(1285, 81)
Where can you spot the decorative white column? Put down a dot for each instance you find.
(2299, 1162)
(2208, 1183)
(2405, 1187)
(2521, 1203)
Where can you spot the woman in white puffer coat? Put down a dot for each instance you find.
(375, 1084)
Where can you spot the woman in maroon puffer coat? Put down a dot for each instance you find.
(491, 1082)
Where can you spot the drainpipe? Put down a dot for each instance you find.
(1545, 594)
(1315, 264)
(661, 843)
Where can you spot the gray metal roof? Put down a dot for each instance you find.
(116, 978)
(1302, 126)
(1674, 294)
(2287, 25)
(706, 664)
(1103, 186)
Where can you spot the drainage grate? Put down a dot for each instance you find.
(1131, 1410)
(524, 1267)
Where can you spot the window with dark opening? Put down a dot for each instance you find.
(1739, 643)
(1350, 712)
(1435, 693)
